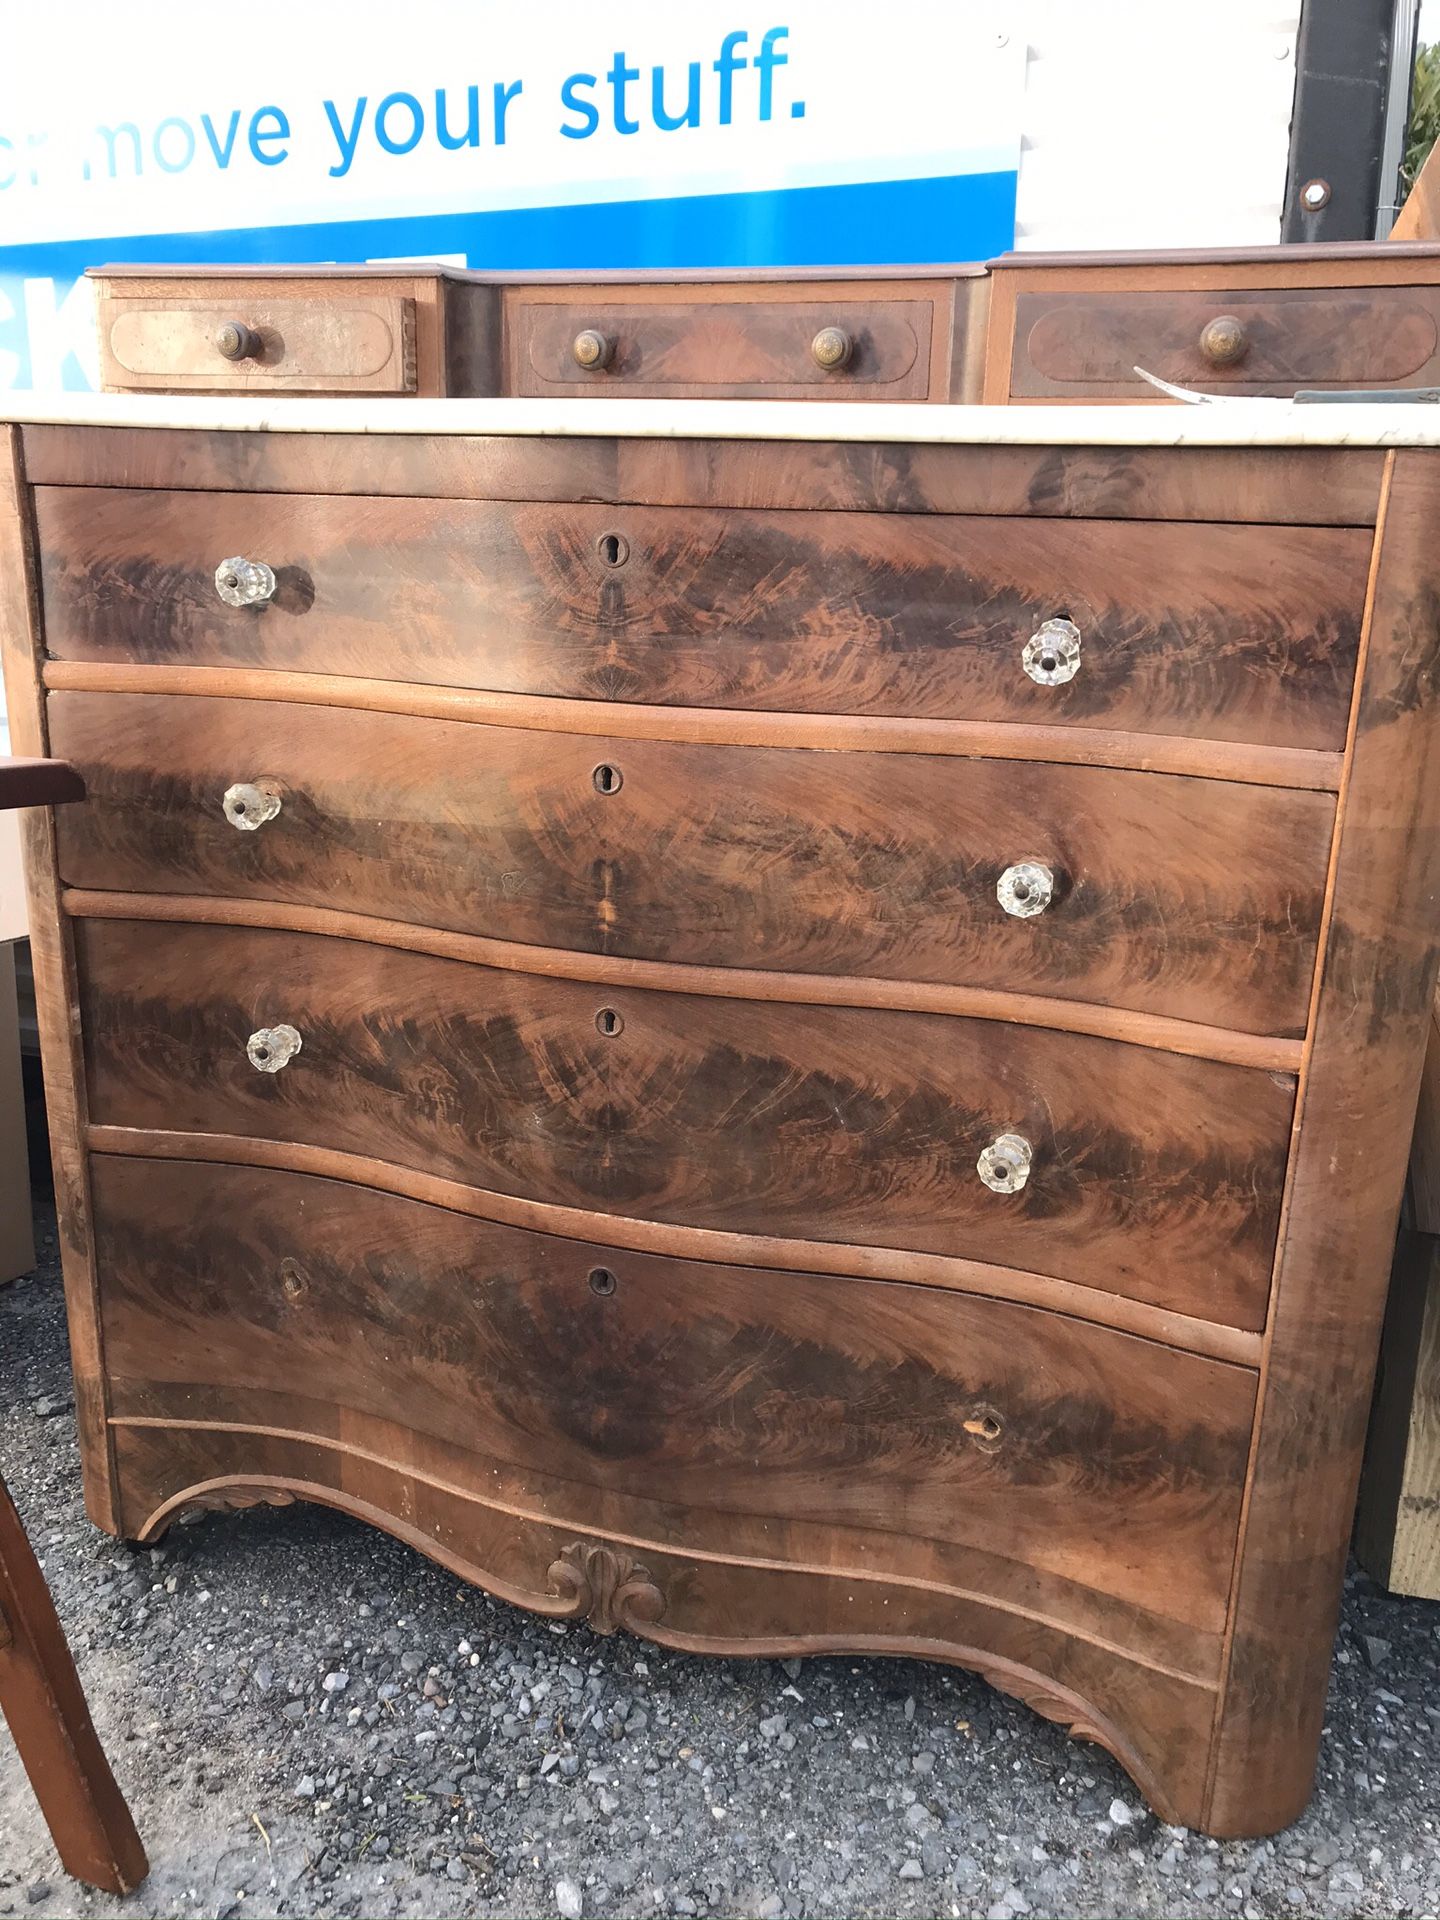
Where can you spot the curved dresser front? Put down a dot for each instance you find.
(754, 1039)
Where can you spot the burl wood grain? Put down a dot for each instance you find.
(1194, 898)
(1235, 633)
(1072, 1470)
(1155, 1177)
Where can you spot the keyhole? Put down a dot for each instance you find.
(609, 1022)
(602, 1281)
(607, 779)
(613, 548)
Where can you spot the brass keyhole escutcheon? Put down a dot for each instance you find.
(613, 549)
(608, 779)
(602, 1281)
(609, 1022)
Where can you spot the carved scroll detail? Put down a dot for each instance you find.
(224, 1499)
(606, 1587)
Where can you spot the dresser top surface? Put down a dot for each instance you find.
(1224, 423)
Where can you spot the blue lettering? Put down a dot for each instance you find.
(417, 122)
(222, 153)
(280, 131)
(569, 93)
(347, 146)
(503, 96)
(187, 133)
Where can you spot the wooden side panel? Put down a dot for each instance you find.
(1235, 633)
(1357, 1104)
(56, 998)
(1198, 899)
(1154, 1176)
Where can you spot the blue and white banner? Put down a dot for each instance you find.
(491, 134)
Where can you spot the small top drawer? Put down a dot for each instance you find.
(1087, 344)
(254, 341)
(727, 346)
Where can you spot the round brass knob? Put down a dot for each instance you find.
(831, 348)
(593, 351)
(249, 807)
(272, 1048)
(1025, 889)
(1004, 1165)
(235, 341)
(1224, 341)
(244, 583)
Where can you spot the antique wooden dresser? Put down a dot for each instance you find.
(791, 1028)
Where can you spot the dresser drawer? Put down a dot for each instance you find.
(782, 344)
(251, 340)
(1194, 898)
(1152, 1175)
(1013, 1452)
(1211, 631)
(1087, 344)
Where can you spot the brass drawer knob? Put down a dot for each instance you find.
(831, 349)
(1052, 653)
(272, 1048)
(1224, 341)
(248, 807)
(1004, 1165)
(1022, 890)
(235, 341)
(593, 351)
(244, 583)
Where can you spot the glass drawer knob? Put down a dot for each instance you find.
(248, 807)
(1004, 1165)
(244, 583)
(272, 1048)
(1052, 653)
(1023, 890)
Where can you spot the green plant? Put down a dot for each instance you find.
(1424, 125)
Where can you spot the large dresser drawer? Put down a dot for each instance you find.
(1194, 898)
(1066, 1469)
(1227, 632)
(1150, 1174)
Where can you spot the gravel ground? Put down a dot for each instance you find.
(311, 1719)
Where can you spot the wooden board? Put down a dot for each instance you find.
(1196, 899)
(1239, 633)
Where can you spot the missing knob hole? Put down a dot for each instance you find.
(985, 1428)
(602, 1281)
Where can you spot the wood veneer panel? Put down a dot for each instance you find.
(1358, 1097)
(1238, 632)
(1156, 1177)
(1114, 1470)
(1267, 486)
(1182, 897)
(53, 961)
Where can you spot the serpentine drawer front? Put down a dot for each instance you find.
(801, 1035)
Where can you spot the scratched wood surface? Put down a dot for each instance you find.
(1233, 632)
(1155, 1176)
(1083, 1470)
(1177, 896)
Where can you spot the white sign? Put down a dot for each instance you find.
(494, 135)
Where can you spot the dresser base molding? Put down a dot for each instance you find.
(703, 1604)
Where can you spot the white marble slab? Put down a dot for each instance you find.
(1227, 423)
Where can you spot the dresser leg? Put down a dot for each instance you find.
(43, 1702)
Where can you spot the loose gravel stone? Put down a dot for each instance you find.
(480, 1762)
